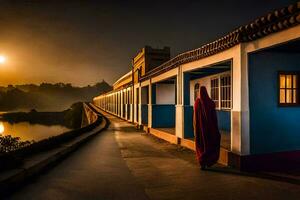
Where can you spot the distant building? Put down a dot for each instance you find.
(147, 59)
(253, 76)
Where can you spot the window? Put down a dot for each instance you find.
(288, 89)
(225, 91)
(214, 91)
(220, 91)
(196, 90)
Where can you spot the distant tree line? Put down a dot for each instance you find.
(47, 96)
(70, 118)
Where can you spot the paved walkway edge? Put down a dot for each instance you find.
(15, 180)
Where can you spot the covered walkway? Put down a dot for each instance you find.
(123, 163)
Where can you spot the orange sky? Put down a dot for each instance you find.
(83, 42)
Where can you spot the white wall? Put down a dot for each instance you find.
(165, 93)
(205, 81)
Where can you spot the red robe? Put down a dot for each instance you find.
(207, 135)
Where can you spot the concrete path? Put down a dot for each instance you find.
(122, 163)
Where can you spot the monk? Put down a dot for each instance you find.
(207, 135)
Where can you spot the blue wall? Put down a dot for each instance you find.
(153, 95)
(128, 111)
(163, 116)
(224, 121)
(124, 114)
(272, 128)
(144, 114)
(186, 85)
(188, 122)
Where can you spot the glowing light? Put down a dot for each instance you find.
(1, 128)
(2, 59)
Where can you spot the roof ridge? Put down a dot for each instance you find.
(272, 22)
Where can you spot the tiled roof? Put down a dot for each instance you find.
(275, 21)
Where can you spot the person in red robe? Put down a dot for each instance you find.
(207, 135)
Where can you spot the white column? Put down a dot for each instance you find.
(150, 104)
(131, 103)
(122, 102)
(140, 105)
(135, 103)
(112, 103)
(119, 103)
(179, 108)
(115, 103)
(240, 138)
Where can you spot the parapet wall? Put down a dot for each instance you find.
(88, 116)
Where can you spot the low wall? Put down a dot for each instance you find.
(12, 159)
(35, 165)
(144, 114)
(188, 122)
(89, 116)
(163, 116)
(224, 121)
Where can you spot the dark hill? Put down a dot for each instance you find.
(46, 96)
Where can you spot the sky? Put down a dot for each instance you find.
(84, 42)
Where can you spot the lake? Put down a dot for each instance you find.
(27, 131)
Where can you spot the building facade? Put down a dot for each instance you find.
(252, 74)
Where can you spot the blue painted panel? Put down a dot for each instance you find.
(163, 116)
(188, 122)
(128, 111)
(186, 89)
(124, 114)
(137, 112)
(153, 96)
(224, 121)
(272, 128)
(144, 114)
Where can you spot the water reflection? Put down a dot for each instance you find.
(27, 131)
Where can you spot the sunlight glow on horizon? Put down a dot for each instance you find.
(2, 59)
(1, 128)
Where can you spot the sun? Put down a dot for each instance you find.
(2, 59)
(1, 128)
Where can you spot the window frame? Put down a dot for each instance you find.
(218, 101)
(226, 75)
(297, 104)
